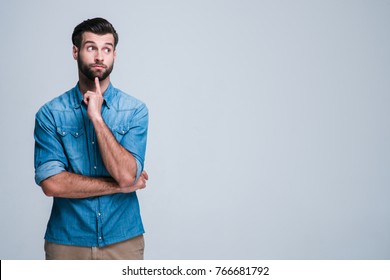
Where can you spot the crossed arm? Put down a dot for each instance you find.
(118, 161)
(71, 185)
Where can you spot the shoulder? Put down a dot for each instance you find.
(63, 102)
(122, 101)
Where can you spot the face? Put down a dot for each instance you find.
(96, 55)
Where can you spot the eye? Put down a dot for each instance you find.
(107, 50)
(90, 48)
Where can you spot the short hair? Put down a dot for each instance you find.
(96, 25)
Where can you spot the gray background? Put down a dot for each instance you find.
(269, 123)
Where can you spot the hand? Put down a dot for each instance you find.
(94, 101)
(139, 184)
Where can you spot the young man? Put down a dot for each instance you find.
(89, 155)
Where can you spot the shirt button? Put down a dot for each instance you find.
(77, 134)
(99, 214)
(100, 238)
(93, 142)
(95, 167)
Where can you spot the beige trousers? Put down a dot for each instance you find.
(131, 249)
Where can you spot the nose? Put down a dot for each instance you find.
(99, 55)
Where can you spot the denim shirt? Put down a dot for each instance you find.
(65, 140)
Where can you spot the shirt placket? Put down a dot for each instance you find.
(94, 171)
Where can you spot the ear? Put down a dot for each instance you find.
(114, 54)
(75, 52)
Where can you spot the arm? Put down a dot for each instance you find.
(70, 185)
(120, 163)
(51, 166)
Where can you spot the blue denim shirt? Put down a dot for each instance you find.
(65, 140)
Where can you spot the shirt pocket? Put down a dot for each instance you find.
(73, 141)
(120, 132)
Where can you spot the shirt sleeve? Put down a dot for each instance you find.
(49, 156)
(135, 139)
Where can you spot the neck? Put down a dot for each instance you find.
(86, 84)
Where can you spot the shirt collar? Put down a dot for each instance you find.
(78, 96)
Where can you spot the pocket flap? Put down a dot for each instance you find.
(76, 132)
(122, 129)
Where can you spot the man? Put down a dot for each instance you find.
(89, 155)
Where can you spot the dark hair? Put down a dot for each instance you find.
(96, 25)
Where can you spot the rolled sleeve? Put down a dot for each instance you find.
(47, 170)
(139, 170)
(49, 155)
(135, 140)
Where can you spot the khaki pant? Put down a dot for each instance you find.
(131, 249)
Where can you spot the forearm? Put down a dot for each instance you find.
(118, 161)
(70, 185)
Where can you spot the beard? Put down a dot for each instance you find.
(90, 73)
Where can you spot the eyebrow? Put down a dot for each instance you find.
(92, 42)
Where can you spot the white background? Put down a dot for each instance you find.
(269, 122)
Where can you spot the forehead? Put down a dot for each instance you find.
(98, 39)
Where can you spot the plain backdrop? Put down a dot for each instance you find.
(269, 122)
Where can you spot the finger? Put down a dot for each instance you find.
(97, 85)
(146, 176)
(86, 99)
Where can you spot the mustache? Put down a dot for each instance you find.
(98, 65)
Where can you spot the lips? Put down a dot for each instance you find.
(99, 66)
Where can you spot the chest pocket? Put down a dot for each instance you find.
(73, 141)
(120, 132)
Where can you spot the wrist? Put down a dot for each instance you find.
(95, 119)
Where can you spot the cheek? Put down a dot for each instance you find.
(113, 57)
(86, 58)
(110, 60)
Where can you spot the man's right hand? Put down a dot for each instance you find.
(139, 184)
